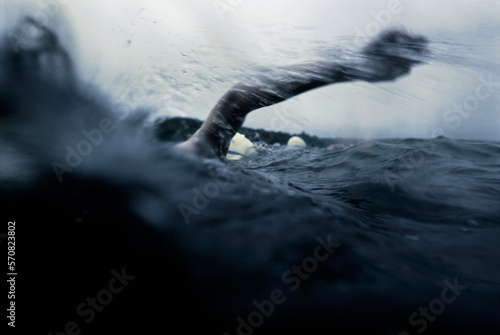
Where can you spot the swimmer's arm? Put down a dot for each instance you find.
(386, 57)
(227, 116)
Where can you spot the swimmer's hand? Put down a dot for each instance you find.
(389, 55)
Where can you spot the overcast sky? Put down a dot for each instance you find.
(196, 49)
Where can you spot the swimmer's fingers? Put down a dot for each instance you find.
(390, 55)
(397, 42)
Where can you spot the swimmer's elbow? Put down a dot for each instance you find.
(198, 146)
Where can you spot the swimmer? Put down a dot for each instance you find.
(388, 56)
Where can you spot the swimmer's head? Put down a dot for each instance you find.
(296, 141)
(240, 147)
